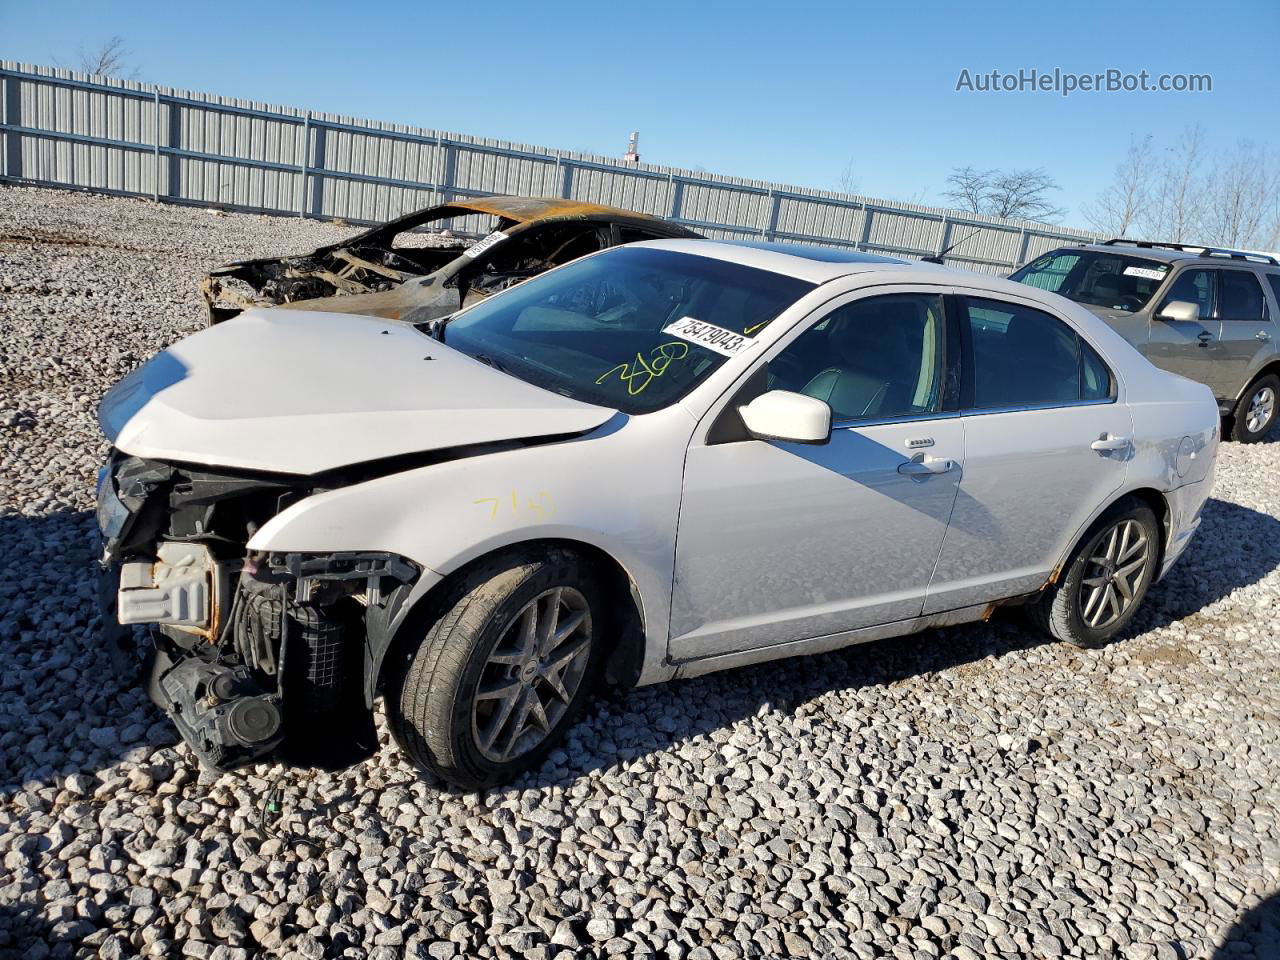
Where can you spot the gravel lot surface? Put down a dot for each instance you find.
(970, 792)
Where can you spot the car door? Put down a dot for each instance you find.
(1245, 338)
(784, 541)
(1046, 443)
(1183, 346)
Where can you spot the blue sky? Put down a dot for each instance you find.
(788, 92)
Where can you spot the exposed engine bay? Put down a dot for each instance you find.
(254, 654)
(422, 266)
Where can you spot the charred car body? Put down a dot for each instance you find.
(398, 272)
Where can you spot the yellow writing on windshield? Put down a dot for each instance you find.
(640, 372)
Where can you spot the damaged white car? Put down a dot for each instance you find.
(657, 461)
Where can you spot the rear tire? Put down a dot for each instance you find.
(509, 657)
(1255, 414)
(1106, 578)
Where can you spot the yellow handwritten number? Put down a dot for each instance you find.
(640, 372)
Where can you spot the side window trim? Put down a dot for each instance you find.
(967, 408)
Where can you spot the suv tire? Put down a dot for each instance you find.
(1106, 578)
(508, 658)
(1257, 407)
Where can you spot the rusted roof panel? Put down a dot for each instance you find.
(524, 209)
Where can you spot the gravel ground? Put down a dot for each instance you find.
(971, 792)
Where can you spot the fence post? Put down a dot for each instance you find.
(866, 230)
(155, 143)
(566, 177)
(775, 204)
(1022, 248)
(945, 240)
(302, 165)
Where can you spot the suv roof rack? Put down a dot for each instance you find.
(1197, 248)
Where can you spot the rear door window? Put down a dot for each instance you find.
(1241, 296)
(1020, 357)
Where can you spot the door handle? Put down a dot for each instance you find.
(923, 466)
(1110, 444)
(1204, 336)
(1262, 335)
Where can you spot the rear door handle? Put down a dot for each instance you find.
(1262, 335)
(924, 466)
(1110, 444)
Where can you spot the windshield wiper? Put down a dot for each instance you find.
(489, 361)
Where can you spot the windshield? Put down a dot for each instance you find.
(1095, 278)
(633, 328)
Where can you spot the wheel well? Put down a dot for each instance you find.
(624, 627)
(1160, 507)
(1271, 369)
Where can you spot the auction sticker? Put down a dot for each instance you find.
(1145, 272)
(480, 246)
(709, 335)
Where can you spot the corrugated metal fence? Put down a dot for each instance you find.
(65, 129)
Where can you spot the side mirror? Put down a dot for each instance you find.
(1179, 311)
(783, 415)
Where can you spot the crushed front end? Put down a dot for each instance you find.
(254, 655)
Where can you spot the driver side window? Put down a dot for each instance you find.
(1193, 286)
(870, 359)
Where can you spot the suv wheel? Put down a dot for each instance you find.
(1256, 412)
(502, 672)
(1106, 578)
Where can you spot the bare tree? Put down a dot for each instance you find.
(108, 59)
(1239, 198)
(1126, 198)
(1174, 210)
(1020, 194)
(847, 182)
(969, 188)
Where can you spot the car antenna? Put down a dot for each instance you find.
(937, 257)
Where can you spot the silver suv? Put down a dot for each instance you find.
(1204, 313)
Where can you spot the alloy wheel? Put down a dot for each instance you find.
(532, 674)
(1261, 408)
(1113, 574)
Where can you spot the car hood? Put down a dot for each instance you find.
(294, 392)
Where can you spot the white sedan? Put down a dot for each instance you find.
(662, 460)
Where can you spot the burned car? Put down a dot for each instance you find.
(417, 267)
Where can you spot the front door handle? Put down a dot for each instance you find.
(1110, 444)
(1204, 336)
(1262, 335)
(924, 466)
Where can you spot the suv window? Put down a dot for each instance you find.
(1193, 286)
(1240, 296)
(874, 358)
(1274, 280)
(1023, 357)
(1096, 278)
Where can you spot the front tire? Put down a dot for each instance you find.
(1255, 414)
(1106, 578)
(502, 671)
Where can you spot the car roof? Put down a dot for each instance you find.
(803, 261)
(1169, 254)
(523, 209)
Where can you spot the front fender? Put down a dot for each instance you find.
(616, 490)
